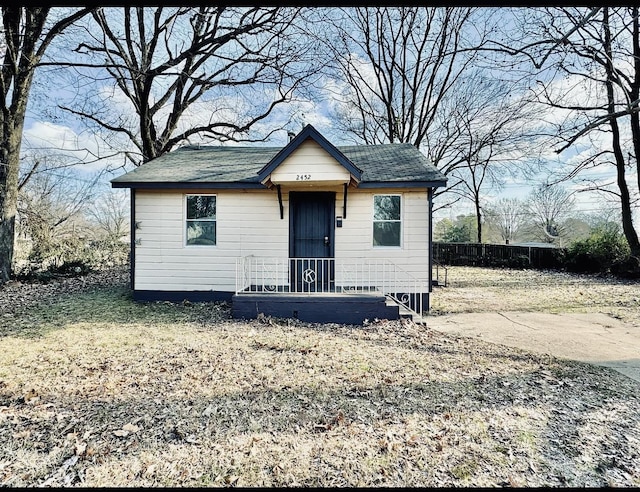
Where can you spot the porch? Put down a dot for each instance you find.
(327, 290)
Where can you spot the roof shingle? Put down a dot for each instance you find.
(235, 164)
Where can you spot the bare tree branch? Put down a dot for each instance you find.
(166, 61)
(600, 53)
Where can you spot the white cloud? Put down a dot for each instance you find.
(47, 135)
(61, 145)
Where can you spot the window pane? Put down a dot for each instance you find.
(386, 233)
(201, 232)
(386, 207)
(201, 207)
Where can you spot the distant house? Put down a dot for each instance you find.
(310, 230)
(536, 244)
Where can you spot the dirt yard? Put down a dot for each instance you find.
(99, 391)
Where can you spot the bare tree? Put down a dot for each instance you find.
(190, 72)
(549, 206)
(589, 61)
(110, 215)
(491, 126)
(51, 209)
(397, 63)
(409, 74)
(507, 215)
(26, 34)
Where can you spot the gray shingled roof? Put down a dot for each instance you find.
(216, 164)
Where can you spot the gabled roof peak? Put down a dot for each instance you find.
(309, 131)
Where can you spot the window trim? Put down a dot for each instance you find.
(400, 220)
(186, 221)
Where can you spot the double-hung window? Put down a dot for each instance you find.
(201, 220)
(387, 220)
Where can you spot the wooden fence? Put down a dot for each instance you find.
(497, 255)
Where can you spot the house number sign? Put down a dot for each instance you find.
(303, 177)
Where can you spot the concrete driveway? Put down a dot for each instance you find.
(593, 337)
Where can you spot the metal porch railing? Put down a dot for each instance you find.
(314, 276)
(437, 279)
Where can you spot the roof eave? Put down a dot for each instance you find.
(403, 184)
(192, 185)
(163, 185)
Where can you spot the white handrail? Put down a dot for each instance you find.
(321, 275)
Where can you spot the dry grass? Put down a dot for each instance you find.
(473, 290)
(98, 391)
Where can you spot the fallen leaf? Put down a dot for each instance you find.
(413, 440)
(81, 448)
(29, 395)
(130, 428)
(90, 449)
(231, 479)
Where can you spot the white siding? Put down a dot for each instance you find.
(248, 223)
(308, 164)
(355, 238)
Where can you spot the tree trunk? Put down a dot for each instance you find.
(635, 91)
(22, 30)
(625, 198)
(8, 208)
(9, 175)
(19, 60)
(15, 96)
(478, 218)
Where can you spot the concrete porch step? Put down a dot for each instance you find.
(406, 313)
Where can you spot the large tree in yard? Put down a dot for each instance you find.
(395, 66)
(26, 34)
(589, 74)
(166, 76)
(487, 138)
(413, 75)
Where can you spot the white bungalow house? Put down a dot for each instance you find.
(310, 231)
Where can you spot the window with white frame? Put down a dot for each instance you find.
(201, 220)
(387, 220)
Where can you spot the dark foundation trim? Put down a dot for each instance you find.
(350, 310)
(181, 295)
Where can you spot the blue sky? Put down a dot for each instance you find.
(68, 138)
(52, 133)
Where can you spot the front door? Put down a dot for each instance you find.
(311, 234)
